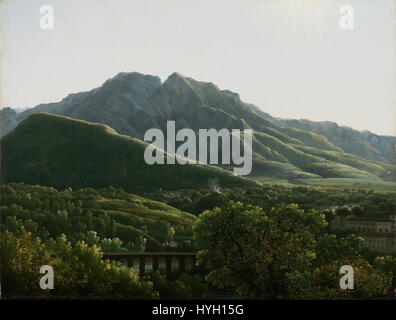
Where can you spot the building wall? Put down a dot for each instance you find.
(369, 226)
(378, 235)
(380, 243)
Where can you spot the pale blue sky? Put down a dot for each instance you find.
(289, 57)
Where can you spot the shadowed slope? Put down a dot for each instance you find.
(62, 152)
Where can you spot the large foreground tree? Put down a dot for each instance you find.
(260, 254)
(284, 253)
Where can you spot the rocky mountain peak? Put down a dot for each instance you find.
(135, 79)
(176, 79)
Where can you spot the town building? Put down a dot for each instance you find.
(379, 233)
(369, 225)
(380, 241)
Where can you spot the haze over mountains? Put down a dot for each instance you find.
(132, 103)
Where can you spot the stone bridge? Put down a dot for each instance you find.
(143, 262)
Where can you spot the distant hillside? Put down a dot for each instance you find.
(132, 103)
(360, 143)
(47, 212)
(62, 152)
(363, 144)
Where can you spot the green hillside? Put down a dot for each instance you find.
(62, 152)
(274, 158)
(137, 222)
(382, 170)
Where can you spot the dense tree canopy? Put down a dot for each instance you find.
(79, 268)
(263, 246)
(109, 218)
(283, 253)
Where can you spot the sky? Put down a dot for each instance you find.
(289, 57)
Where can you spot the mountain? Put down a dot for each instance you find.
(115, 103)
(363, 144)
(360, 143)
(132, 103)
(62, 152)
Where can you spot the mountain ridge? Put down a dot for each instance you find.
(132, 103)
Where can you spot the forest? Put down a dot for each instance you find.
(268, 242)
